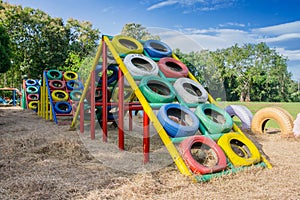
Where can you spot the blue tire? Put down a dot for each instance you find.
(177, 120)
(157, 49)
(112, 74)
(62, 107)
(32, 89)
(31, 82)
(74, 85)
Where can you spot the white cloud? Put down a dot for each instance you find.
(198, 5)
(281, 37)
(162, 4)
(291, 27)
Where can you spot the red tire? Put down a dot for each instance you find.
(203, 145)
(57, 85)
(172, 68)
(33, 97)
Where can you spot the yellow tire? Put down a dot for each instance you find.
(128, 94)
(127, 45)
(33, 105)
(69, 75)
(240, 150)
(59, 95)
(281, 116)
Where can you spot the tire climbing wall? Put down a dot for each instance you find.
(200, 137)
(61, 93)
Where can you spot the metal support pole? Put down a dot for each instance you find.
(121, 109)
(146, 139)
(93, 90)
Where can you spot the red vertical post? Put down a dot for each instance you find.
(121, 109)
(146, 139)
(93, 90)
(104, 91)
(81, 117)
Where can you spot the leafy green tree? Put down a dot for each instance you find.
(138, 32)
(5, 52)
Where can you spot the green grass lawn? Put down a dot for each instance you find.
(292, 108)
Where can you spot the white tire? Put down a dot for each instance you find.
(241, 112)
(190, 91)
(140, 65)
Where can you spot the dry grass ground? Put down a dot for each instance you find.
(40, 160)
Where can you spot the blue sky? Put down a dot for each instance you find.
(192, 25)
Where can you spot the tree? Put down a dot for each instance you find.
(138, 32)
(5, 52)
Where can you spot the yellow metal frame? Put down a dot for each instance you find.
(147, 108)
(44, 110)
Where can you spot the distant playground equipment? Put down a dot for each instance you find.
(14, 100)
(155, 79)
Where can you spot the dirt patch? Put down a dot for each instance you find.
(40, 160)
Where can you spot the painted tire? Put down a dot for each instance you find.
(57, 85)
(126, 45)
(296, 129)
(32, 89)
(157, 90)
(32, 105)
(32, 97)
(190, 91)
(241, 112)
(140, 65)
(62, 107)
(59, 95)
(239, 149)
(214, 119)
(74, 85)
(75, 95)
(157, 49)
(69, 75)
(112, 74)
(54, 74)
(202, 145)
(172, 68)
(128, 94)
(177, 120)
(262, 116)
(31, 82)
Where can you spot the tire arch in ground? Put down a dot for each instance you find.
(262, 116)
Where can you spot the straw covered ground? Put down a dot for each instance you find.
(40, 160)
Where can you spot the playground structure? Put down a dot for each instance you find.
(15, 92)
(59, 95)
(223, 140)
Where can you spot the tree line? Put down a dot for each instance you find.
(32, 41)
